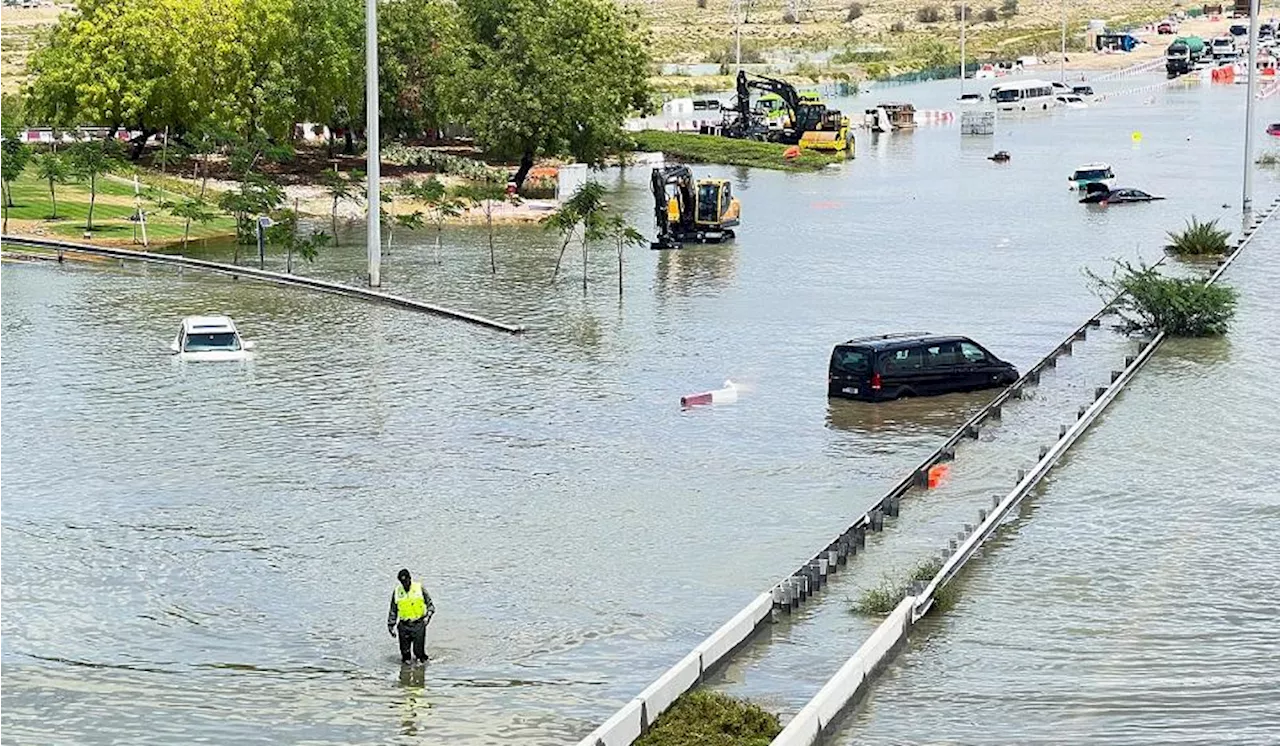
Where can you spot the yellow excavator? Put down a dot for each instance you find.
(686, 211)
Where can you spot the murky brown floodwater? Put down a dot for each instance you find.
(203, 552)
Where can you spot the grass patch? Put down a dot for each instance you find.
(712, 149)
(1198, 239)
(1178, 306)
(706, 718)
(111, 211)
(885, 597)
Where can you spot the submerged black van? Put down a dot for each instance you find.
(913, 364)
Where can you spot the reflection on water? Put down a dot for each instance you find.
(238, 527)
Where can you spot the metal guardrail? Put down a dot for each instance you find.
(851, 680)
(310, 283)
(1141, 67)
(635, 717)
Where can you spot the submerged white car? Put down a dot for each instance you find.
(212, 338)
(1072, 101)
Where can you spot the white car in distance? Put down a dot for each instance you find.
(210, 338)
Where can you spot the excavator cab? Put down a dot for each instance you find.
(688, 211)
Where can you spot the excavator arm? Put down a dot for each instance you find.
(682, 179)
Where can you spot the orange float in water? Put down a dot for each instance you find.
(938, 474)
(792, 152)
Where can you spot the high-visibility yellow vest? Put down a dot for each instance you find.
(410, 604)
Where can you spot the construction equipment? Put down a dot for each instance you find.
(688, 211)
(807, 122)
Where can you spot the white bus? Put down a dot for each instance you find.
(1024, 95)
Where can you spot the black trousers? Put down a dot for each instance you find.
(413, 634)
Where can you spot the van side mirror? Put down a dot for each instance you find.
(173, 346)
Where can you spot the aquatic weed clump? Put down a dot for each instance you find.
(706, 718)
(1178, 306)
(1198, 239)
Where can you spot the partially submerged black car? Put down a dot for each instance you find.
(1100, 194)
(913, 364)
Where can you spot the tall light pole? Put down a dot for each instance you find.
(1062, 61)
(1252, 93)
(964, 9)
(372, 168)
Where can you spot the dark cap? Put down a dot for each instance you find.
(403, 574)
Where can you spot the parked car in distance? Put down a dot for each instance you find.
(890, 366)
(1099, 193)
(1166, 27)
(210, 338)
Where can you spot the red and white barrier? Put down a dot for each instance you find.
(726, 395)
(934, 116)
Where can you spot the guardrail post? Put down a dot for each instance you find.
(1115, 375)
(860, 537)
(1080, 412)
(951, 547)
(1044, 451)
(982, 516)
(1033, 377)
(1098, 392)
(1022, 474)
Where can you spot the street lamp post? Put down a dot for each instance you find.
(372, 168)
(1062, 61)
(1252, 93)
(963, 19)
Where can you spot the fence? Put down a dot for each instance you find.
(854, 676)
(310, 283)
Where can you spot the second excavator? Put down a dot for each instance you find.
(686, 211)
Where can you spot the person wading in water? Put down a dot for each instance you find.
(411, 611)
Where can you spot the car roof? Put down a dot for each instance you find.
(901, 339)
(208, 324)
(1093, 166)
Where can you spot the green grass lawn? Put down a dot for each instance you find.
(111, 212)
(712, 149)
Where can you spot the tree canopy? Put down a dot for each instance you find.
(527, 77)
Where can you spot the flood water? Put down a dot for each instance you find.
(206, 552)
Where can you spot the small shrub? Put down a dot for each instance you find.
(989, 15)
(789, 16)
(853, 12)
(1198, 239)
(727, 55)
(885, 597)
(702, 4)
(705, 717)
(898, 27)
(962, 12)
(1269, 158)
(1009, 8)
(929, 14)
(1178, 306)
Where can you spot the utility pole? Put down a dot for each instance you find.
(964, 10)
(1252, 93)
(1062, 61)
(372, 168)
(735, 7)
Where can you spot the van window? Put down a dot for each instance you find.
(945, 355)
(850, 360)
(972, 353)
(903, 361)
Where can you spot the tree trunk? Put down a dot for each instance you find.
(329, 142)
(5, 204)
(349, 143)
(139, 143)
(439, 237)
(186, 234)
(526, 164)
(619, 270)
(493, 262)
(335, 222)
(584, 264)
(563, 248)
(93, 197)
(53, 197)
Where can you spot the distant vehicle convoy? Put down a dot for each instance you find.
(1182, 56)
(892, 366)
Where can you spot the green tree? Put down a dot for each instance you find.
(623, 234)
(484, 194)
(421, 58)
(14, 157)
(552, 76)
(192, 208)
(54, 169)
(440, 207)
(91, 159)
(586, 203)
(340, 188)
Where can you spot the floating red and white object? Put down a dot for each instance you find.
(726, 395)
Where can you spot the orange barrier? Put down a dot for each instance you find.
(938, 474)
